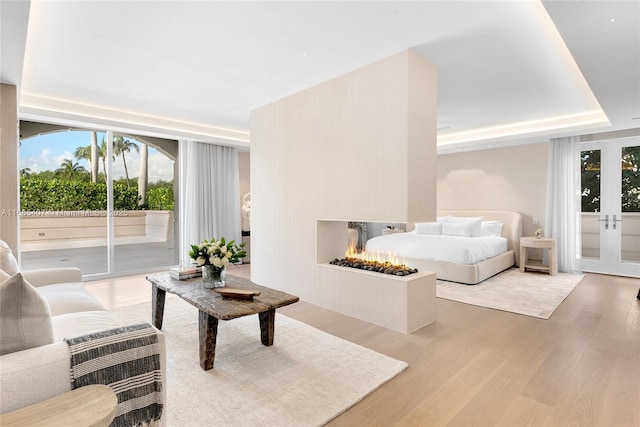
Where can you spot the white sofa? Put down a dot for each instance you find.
(35, 374)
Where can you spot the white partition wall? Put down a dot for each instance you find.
(360, 147)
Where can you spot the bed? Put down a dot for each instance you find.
(468, 260)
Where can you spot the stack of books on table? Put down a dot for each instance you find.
(183, 273)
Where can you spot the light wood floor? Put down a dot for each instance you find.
(476, 366)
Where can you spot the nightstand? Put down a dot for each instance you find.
(543, 243)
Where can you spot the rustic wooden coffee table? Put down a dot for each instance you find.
(214, 307)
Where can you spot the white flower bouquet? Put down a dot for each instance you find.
(217, 253)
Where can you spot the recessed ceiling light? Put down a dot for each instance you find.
(612, 20)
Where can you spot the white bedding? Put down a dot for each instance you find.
(460, 250)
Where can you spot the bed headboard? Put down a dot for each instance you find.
(511, 228)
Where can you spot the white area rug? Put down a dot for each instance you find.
(531, 294)
(306, 378)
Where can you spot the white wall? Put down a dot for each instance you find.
(244, 173)
(358, 147)
(511, 178)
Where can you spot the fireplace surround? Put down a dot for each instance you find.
(403, 303)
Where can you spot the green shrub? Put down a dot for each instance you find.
(39, 194)
(160, 198)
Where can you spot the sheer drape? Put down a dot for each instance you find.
(209, 194)
(563, 202)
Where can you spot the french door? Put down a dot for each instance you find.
(610, 179)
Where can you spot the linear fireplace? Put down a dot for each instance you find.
(401, 302)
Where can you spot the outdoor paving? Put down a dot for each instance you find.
(93, 260)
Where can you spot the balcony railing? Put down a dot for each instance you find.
(144, 241)
(78, 229)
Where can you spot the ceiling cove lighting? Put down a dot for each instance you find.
(34, 103)
(527, 127)
(591, 116)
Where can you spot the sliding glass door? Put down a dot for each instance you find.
(99, 201)
(611, 207)
(144, 231)
(63, 201)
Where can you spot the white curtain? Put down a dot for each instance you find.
(209, 195)
(563, 202)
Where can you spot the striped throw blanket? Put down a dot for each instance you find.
(127, 359)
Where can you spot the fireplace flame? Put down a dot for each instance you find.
(376, 258)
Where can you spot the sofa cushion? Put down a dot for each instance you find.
(72, 325)
(8, 263)
(25, 319)
(49, 276)
(69, 298)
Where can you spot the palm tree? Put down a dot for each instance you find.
(143, 179)
(102, 155)
(25, 172)
(94, 157)
(93, 154)
(121, 146)
(84, 153)
(70, 169)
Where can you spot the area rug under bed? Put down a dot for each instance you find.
(531, 294)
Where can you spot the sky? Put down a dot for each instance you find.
(46, 152)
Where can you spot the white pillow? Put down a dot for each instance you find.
(474, 220)
(491, 228)
(428, 228)
(8, 263)
(461, 229)
(25, 318)
(442, 218)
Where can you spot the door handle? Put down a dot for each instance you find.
(606, 222)
(614, 221)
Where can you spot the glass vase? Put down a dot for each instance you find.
(213, 277)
